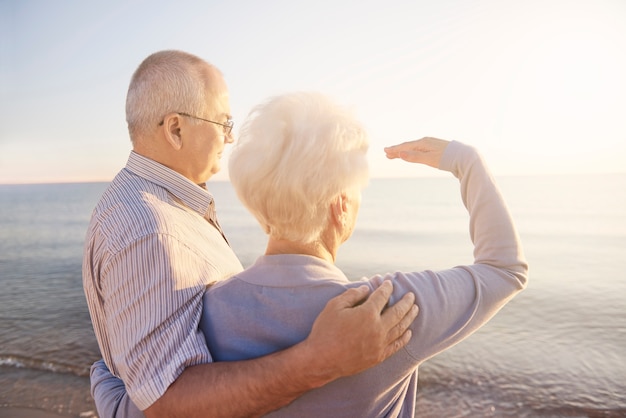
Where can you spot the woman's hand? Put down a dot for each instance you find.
(424, 151)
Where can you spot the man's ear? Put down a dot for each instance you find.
(172, 130)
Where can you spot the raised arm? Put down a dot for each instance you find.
(492, 230)
(456, 302)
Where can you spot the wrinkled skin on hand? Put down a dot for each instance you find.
(352, 334)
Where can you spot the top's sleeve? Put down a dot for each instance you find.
(109, 394)
(456, 302)
(153, 292)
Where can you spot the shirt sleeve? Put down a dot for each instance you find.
(454, 303)
(153, 291)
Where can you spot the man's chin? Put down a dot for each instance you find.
(214, 170)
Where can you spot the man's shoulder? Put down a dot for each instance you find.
(132, 207)
(125, 195)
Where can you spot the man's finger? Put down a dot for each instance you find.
(400, 334)
(397, 331)
(380, 297)
(396, 345)
(396, 313)
(351, 297)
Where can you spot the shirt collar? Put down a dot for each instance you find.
(290, 270)
(192, 195)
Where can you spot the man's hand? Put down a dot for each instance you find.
(424, 151)
(350, 335)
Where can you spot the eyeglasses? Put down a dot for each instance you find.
(228, 125)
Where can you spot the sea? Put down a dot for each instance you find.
(557, 350)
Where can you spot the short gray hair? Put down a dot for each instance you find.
(295, 154)
(165, 82)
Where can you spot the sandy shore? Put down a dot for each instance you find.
(27, 393)
(29, 413)
(11, 412)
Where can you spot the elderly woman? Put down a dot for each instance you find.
(299, 167)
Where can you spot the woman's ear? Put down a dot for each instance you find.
(339, 209)
(172, 130)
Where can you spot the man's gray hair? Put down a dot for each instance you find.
(295, 154)
(165, 82)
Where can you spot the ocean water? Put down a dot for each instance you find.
(557, 350)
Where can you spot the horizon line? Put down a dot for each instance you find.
(399, 177)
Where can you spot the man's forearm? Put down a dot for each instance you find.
(242, 388)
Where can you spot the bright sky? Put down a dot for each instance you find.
(539, 86)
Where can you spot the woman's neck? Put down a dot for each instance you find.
(317, 249)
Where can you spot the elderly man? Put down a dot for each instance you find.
(154, 245)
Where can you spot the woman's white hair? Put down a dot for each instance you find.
(165, 82)
(295, 154)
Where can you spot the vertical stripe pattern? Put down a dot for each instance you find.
(152, 247)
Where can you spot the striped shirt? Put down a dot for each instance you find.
(152, 247)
